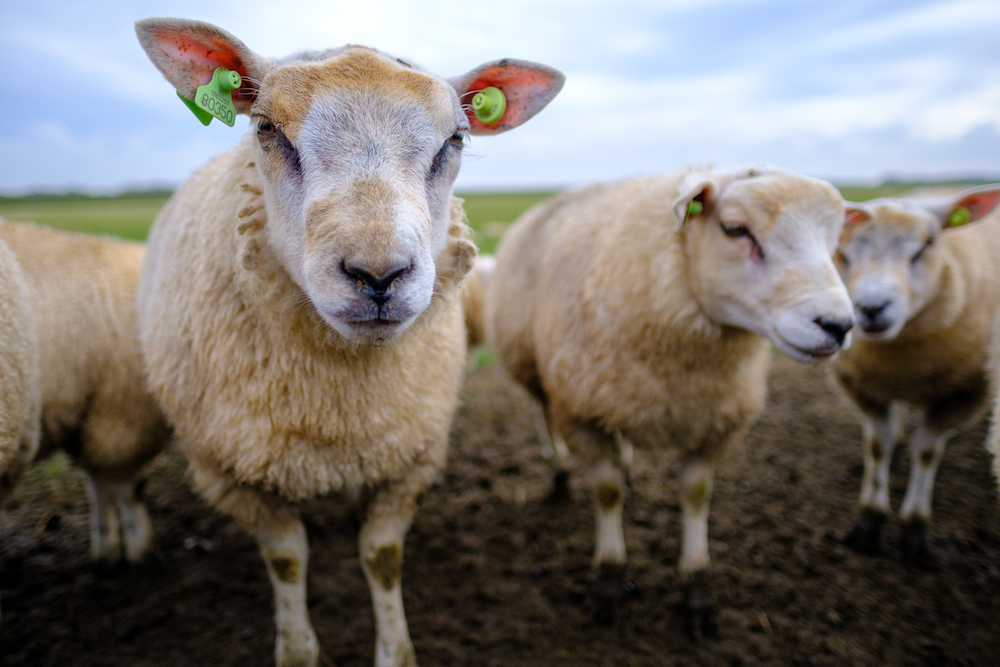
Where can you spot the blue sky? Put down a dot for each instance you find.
(852, 90)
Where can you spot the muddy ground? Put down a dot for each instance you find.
(495, 576)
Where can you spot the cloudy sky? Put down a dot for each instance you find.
(850, 90)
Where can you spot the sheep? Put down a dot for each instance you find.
(94, 402)
(300, 312)
(641, 311)
(19, 398)
(925, 286)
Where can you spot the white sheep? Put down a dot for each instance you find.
(300, 308)
(925, 289)
(642, 310)
(94, 402)
(474, 300)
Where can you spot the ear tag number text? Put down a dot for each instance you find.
(215, 99)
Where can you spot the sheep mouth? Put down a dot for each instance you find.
(809, 354)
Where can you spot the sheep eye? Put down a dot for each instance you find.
(920, 253)
(457, 139)
(735, 231)
(265, 128)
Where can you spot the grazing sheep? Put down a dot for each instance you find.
(925, 290)
(94, 402)
(642, 311)
(300, 308)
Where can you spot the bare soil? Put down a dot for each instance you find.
(496, 576)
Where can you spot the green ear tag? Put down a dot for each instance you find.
(959, 217)
(215, 99)
(695, 207)
(489, 105)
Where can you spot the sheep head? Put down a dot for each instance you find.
(358, 151)
(890, 255)
(760, 243)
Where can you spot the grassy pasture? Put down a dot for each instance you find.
(129, 216)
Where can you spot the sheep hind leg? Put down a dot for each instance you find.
(386, 519)
(696, 494)
(105, 529)
(137, 530)
(926, 450)
(881, 432)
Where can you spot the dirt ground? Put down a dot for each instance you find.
(495, 576)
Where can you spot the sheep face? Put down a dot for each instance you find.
(358, 152)
(760, 244)
(891, 259)
(358, 177)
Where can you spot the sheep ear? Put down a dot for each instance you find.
(527, 87)
(855, 214)
(696, 197)
(187, 53)
(969, 206)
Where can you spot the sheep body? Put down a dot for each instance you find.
(633, 319)
(94, 402)
(291, 409)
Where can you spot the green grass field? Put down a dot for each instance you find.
(130, 216)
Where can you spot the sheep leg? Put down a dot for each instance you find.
(926, 450)
(282, 541)
(553, 445)
(880, 432)
(137, 530)
(610, 558)
(380, 546)
(105, 531)
(696, 494)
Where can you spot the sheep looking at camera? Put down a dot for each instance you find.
(300, 316)
(643, 309)
(925, 288)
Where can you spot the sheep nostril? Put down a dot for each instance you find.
(376, 286)
(837, 329)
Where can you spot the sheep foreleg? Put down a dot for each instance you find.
(880, 433)
(926, 449)
(696, 494)
(380, 546)
(105, 535)
(282, 541)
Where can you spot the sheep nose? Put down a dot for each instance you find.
(872, 312)
(376, 287)
(835, 327)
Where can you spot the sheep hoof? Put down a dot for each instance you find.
(700, 618)
(559, 494)
(915, 543)
(609, 586)
(866, 536)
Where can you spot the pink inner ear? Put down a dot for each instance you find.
(194, 57)
(980, 204)
(853, 216)
(523, 88)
